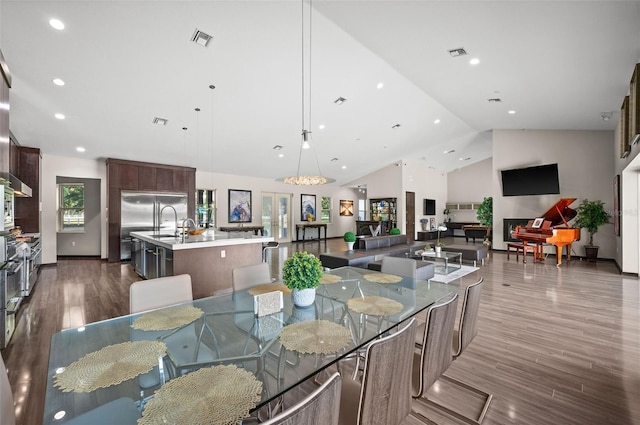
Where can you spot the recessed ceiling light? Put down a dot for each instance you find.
(277, 147)
(200, 37)
(344, 167)
(59, 415)
(321, 126)
(160, 121)
(280, 155)
(80, 149)
(58, 82)
(474, 61)
(340, 101)
(437, 121)
(457, 52)
(56, 23)
(59, 116)
(380, 85)
(396, 126)
(512, 112)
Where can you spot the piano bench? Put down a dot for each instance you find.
(518, 247)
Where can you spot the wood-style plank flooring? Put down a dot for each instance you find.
(555, 346)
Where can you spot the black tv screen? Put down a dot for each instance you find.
(539, 180)
(429, 207)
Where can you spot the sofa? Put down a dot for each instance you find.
(371, 249)
(473, 253)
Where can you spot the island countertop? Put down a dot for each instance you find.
(210, 238)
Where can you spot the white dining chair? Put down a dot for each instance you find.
(161, 292)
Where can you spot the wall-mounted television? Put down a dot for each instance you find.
(538, 180)
(429, 207)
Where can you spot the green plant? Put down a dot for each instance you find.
(446, 212)
(302, 271)
(485, 212)
(441, 228)
(591, 215)
(349, 237)
(394, 231)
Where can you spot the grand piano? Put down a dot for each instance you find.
(554, 229)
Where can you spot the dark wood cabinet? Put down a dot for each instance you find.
(143, 177)
(27, 210)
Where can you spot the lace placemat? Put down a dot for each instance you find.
(382, 278)
(215, 395)
(167, 318)
(315, 336)
(374, 305)
(330, 278)
(110, 366)
(269, 287)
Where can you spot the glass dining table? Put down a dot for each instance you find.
(279, 351)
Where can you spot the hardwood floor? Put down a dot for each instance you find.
(555, 346)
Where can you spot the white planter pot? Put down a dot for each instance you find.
(303, 297)
(350, 246)
(438, 249)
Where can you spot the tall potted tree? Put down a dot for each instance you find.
(591, 215)
(485, 217)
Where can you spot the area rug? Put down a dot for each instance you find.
(457, 274)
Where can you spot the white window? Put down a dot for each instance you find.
(71, 207)
(361, 209)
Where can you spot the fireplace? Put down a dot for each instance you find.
(509, 225)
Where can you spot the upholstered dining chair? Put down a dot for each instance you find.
(246, 277)
(383, 397)
(7, 409)
(161, 292)
(467, 330)
(321, 407)
(164, 292)
(405, 267)
(435, 356)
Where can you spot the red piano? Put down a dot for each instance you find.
(554, 229)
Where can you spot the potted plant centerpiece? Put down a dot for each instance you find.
(301, 273)
(350, 239)
(446, 212)
(591, 215)
(485, 217)
(439, 245)
(394, 231)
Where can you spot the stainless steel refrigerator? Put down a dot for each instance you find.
(145, 211)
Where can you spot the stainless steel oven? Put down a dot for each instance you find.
(11, 278)
(32, 259)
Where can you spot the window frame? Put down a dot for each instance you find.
(62, 209)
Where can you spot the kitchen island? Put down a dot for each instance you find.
(208, 258)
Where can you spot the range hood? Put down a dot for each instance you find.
(20, 189)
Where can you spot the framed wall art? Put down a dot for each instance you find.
(307, 207)
(239, 206)
(625, 146)
(634, 106)
(346, 207)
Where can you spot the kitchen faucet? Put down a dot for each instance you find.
(175, 219)
(185, 232)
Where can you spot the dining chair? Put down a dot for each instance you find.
(161, 292)
(185, 345)
(247, 277)
(383, 397)
(467, 330)
(321, 407)
(405, 267)
(7, 409)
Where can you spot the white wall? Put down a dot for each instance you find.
(53, 166)
(585, 170)
(427, 183)
(469, 184)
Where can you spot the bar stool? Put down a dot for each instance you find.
(266, 246)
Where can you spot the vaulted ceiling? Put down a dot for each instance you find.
(556, 64)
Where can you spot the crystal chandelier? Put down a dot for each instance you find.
(298, 179)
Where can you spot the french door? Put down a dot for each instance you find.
(276, 215)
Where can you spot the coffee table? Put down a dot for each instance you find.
(452, 260)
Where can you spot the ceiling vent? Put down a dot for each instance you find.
(495, 100)
(340, 101)
(396, 126)
(201, 38)
(457, 52)
(160, 121)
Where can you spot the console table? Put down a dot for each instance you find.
(305, 226)
(254, 229)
